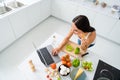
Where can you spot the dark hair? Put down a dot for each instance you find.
(82, 23)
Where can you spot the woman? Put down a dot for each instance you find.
(81, 28)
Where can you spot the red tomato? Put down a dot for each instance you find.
(62, 58)
(53, 65)
(69, 64)
(64, 62)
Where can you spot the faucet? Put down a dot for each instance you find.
(15, 2)
(4, 5)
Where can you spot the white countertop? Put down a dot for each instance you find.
(97, 8)
(26, 3)
(105, 11)
(40, 73)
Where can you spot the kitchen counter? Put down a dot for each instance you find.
(26, 3)
(40, 68)
(97, 8)
(90, 5)
(29, 2)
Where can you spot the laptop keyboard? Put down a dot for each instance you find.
(38, 51)
(48, 59)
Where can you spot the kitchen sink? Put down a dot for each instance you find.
(4, 9)
(15, 4)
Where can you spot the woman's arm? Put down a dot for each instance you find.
(88, 41)
(66, 39)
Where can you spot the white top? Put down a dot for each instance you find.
(88, 36)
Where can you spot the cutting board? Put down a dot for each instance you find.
(74, 45)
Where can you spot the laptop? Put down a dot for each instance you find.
(46, 57)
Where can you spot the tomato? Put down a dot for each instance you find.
(62, 58)
(67, 56)
(53, 65)
(68, 60)
(69, 64)
(64, 62)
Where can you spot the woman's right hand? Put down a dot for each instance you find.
(55, 51)
(84, 45)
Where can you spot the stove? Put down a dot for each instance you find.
(105, 71)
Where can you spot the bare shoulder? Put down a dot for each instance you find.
(93, 33)
(92, 37)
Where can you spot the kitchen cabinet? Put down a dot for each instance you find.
(22, 20)
(64, 9)
(114, 34)
(38, 12)
(19, 22)
(103, 24)
(27, 18)
(6, 33)
(87, 12)
(45, 9)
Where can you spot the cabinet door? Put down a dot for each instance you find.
(6, 33)
(114, 34)
(19, 22)
(37, 12)
(103, 24)
(64, 9)
(87, 12)
(45, 9)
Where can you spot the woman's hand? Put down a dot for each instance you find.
(55, 51)
(84, 44)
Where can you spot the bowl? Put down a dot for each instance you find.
(65, 69)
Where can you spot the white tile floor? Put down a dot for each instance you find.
(11, 57)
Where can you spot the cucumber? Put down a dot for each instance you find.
(69, 48)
